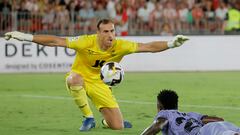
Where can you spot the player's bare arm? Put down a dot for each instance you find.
(46, 40)
(50, 40)
(207, 119)
(156, 127)
(158, 46)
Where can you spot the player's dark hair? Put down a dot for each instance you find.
(168, 98)
(103, 21)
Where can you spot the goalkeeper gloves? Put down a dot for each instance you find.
(18, 35)
(177, 41)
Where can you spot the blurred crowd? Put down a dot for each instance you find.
(132, 17)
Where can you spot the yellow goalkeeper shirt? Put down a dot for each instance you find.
(90, 58)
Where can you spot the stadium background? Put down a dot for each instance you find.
(205, 71)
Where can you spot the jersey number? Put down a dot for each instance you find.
(189, 126)
(98, 63)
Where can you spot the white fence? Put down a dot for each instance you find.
(201, 53)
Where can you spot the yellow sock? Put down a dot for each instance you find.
(80, 98)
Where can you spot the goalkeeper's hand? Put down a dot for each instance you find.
(177, 41)
(18, 35)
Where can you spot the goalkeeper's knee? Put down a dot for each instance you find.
(74, 80)
(74, 84)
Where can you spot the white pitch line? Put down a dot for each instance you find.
(187, 106)
(125, 101)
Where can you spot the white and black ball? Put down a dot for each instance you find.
(112, 73)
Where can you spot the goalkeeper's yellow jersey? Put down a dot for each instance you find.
(90, 58)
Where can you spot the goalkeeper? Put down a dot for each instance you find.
(92, 52)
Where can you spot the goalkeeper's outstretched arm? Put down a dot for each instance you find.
(50, 40)
(46, 40)
(158, 46)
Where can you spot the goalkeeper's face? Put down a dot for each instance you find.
(106, 35)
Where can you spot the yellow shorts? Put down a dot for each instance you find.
(100, 94)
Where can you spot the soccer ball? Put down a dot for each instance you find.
(112, 73)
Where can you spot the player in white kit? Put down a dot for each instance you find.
(172, 122)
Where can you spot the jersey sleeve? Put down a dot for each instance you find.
(77, 43)
(128, 47)
(162, 114)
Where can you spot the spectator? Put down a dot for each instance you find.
(215, 4)
(150, 5)
(190, 19)
(183, 16)
(5, 10)
(32, 6)
(143, 15)
(170, 14)
(209, 15)
(72, 9)
(221, 12)
(42, 5)
(101, 12)
(166, 30)
(132, 16)
(232, 23)
(48, 18)
(156, 18)
(23, 17)
(5, 6)
(111, 9)
(87, 17)
(190, 3)
(14, 5)
(62, 18)
(197, 14)
(121, 21)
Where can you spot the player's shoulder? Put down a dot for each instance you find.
(167, 113)
(125, 43)
(83, 37)
(91, 37)
(82, 41)
(123, 40)
(88, 38)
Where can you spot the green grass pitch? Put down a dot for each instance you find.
(38, 104)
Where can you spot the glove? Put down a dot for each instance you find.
(18, 35)
(177, 41)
